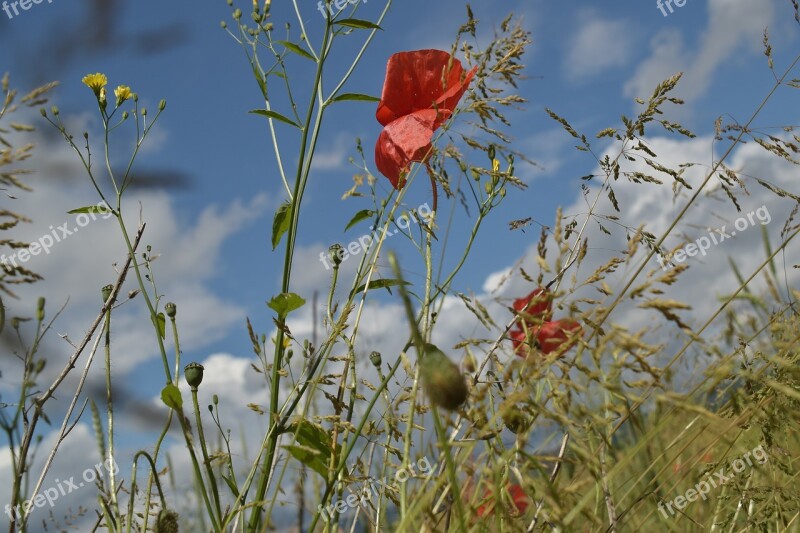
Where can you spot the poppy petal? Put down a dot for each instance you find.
(421, 80)
(402, 141)
(553, 335)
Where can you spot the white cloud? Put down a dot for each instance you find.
(189, 257)
(598, 45)
(733, 27)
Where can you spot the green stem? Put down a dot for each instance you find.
(303, 169)
(200, 435)
(112, 481)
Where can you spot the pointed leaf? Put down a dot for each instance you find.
(361, 215)
(161, 322)
(356, 96)
(280, 224)
(384, 283)
(296, 49)
(231, 485)
(90, 209)
(358, 23)
(277, 116)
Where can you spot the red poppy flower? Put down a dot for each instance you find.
(553, 335)
(421, 90)
(518, 498)
(520, 342)
(539, 305)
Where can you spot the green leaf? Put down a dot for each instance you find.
(356, 96)
(161, 322)
(285, 303)
(297, 50)
(385, 283)
(309, 434)
(276, 116)
(90, 209)
(310, 457)
(361, 215)
(231, 485)
(262, 83)
(358, 23)
(171, 396)
(280, 224)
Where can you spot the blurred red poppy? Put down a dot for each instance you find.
(553, 335)
(540, 305)
(519, 341)
(421, 90)
(518, 498)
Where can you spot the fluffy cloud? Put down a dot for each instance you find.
(732, 27)
(599, 44)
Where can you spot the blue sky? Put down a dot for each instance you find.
(588, 61)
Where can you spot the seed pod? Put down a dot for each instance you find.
(193, 372)
(441, 379)
(335, 254)
(171, 309)
(514, 419)
(375, 357)
(167, 522)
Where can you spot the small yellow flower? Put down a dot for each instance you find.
(122, 92)
(95, 82)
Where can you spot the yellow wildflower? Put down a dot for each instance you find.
(95, 82)
(122, 92)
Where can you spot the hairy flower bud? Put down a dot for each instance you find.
(441, 379)
(167, 522)
(106, 292)
(40, 309)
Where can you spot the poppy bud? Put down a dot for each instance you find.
(40, 309)
(171, 309)
(193, 372)
(469, 362)
(335, 253)
(167, 522)
(442, 380)
(514, 419)
(375, 357)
